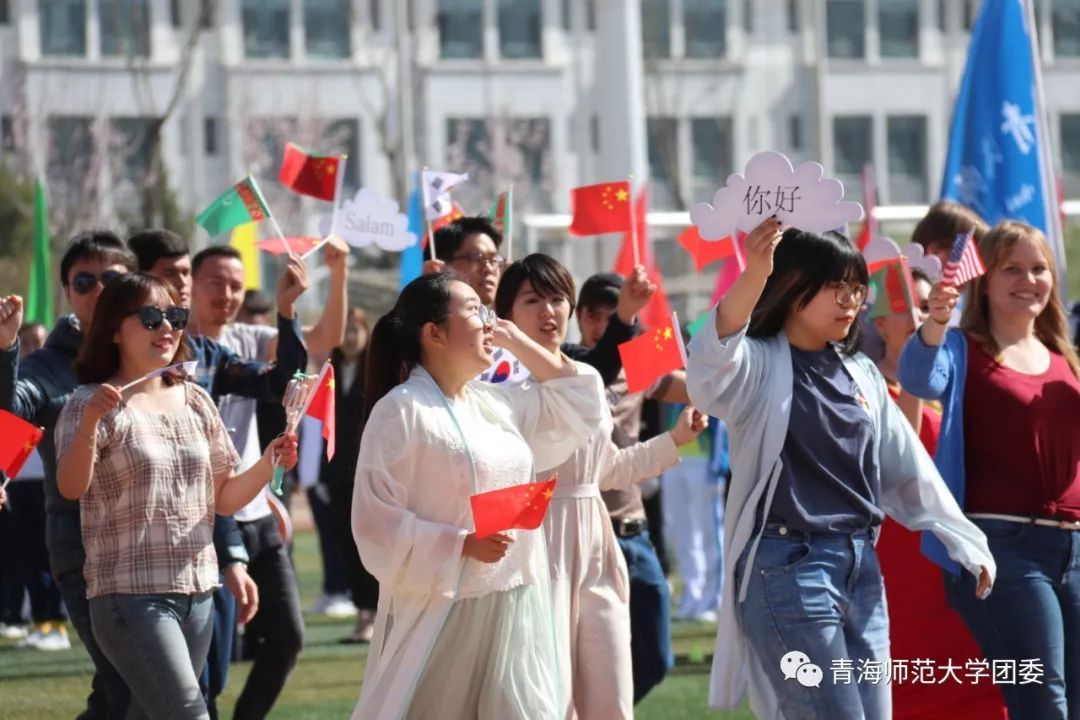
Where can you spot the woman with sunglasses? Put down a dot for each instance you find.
(463, 627)
(820, 455)
(150, 465)
(591, 587)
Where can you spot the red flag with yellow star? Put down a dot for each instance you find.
(18, 439)
(322, 406)
(652, 355)
(310, 174)
(599, 209)
(518, 507)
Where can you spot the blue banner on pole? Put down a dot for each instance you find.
(412, 258)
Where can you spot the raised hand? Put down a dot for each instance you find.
(291, 285)
(487, 550)
(690, 424)
(760, 245)
(104, 400)
(943, 299)
(11, 317)
(506, 334)
(284, 449)
(636, 292)
(432, 267)
(336, 253)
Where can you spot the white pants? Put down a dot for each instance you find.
(694, 522)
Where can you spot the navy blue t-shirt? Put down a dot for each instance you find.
(829, 479)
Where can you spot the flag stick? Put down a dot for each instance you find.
(337, 198)
(316, 246)
(509, 214)
(427, 219)
(270, 215)
(633, 224)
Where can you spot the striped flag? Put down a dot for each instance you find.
(964, 263)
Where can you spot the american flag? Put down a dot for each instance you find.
(964, 263)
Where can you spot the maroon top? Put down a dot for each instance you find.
(1021, 439)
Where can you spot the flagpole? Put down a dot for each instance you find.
(633, 224)
(427, 219)
(270, 215)
(508, 213)
(337, 197)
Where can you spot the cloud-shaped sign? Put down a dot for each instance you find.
(883, 248)
(800, 196)
(880, 248)
(370, 219)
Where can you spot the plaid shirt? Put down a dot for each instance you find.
(148, 515)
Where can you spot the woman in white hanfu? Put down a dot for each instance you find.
(590, 586)
(463, 627)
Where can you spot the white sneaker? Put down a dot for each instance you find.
(32, 640)
(339, 606)
(55, 640)
(12, 632)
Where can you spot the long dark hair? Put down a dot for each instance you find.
(394, 346)
(545, 274)
(99, 358)
(803, 264)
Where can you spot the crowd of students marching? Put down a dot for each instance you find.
(957, 439)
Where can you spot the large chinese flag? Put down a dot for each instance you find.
(519, 507)
(18, 439)
(322, 407)
(652, 355)
(657, 312)
(703, 251)
(599, 209)
(310, 174)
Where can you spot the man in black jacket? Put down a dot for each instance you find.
(38, 390)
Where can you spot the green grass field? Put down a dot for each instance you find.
(325, 684)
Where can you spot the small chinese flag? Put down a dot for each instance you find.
(322, 406)
(18, 439)
(704, 251)
(599, 209)
(310, 174)
(519, 507)
(277, 246)
(652, 355)
(894, 287)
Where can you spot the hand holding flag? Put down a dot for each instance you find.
(520, 507)
(18, 439)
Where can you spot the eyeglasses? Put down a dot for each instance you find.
(479, 259)
(486, 315)
(845, 293)
(151, 317)
(85, 281)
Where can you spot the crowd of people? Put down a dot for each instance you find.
(849, 491)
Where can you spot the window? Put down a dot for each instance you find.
(519, 29)
(176, 17)
(206, 14)
(663, 138)
(523, 158)
(655, 28)
(7, 134)
(343, 136)
(844, 28)
(266, 28)
(1070, 154)
(795, 132)
(375, 13)
(748, 16)
(70, 158)
(970, 12)
(130, 144)
(326, 28)
(5, 12)
(793, 16)
(461, 29)
(1065, 20)
(63, 27)
(210, 136)
(594, 133)
(907, 159)
(898, 26)
(853, 148)
(705, 24)
(125, 28)
(713, 143)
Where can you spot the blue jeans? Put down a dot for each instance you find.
(821, 596)
(1033, 613)
(216, 671)
(650, 614)
(158, 643)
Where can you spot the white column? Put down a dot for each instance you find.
(619, 92)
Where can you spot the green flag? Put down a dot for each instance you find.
(240, 204)
(39, 305)
(499, 215)
(893, 288)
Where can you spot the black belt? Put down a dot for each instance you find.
(625, 528)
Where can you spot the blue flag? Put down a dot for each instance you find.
(998, 162)
(412, 258)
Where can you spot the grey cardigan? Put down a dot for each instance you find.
(747, 382)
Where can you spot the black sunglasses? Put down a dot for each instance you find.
(85, 281)
(151, 317)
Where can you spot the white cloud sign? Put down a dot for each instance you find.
(370, 219)
(883, 248)
(800, 196)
